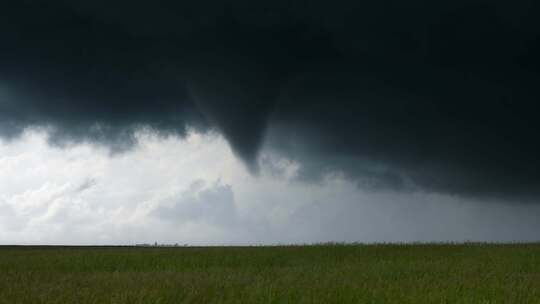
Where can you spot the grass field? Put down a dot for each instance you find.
(468, 273)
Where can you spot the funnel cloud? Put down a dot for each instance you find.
(440, 97)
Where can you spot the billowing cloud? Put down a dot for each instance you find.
(213, 204)
(81, 195)
(439, 97)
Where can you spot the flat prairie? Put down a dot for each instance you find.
(330, 273)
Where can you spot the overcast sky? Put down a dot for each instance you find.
(269, 121)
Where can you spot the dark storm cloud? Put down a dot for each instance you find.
(440, 96)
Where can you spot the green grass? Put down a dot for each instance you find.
(468, 273)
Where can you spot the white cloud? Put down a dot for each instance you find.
(195, 191)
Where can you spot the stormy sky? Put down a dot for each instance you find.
(269, 121)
